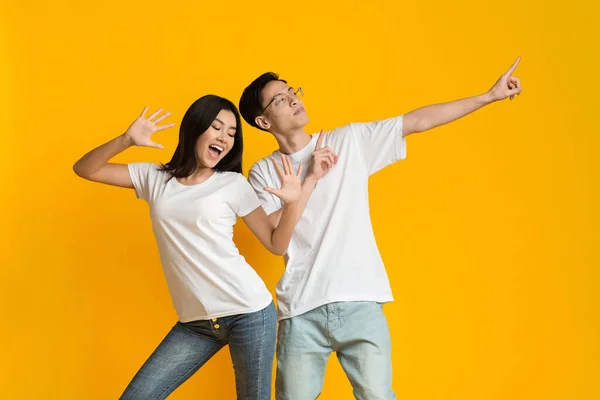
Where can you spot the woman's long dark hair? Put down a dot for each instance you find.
(196, 121)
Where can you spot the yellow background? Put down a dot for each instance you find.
(489, 229)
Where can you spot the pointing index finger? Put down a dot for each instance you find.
(320, 139)
(514, 66)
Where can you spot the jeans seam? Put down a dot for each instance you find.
(328, 331)
(260, 353)
(218, 338)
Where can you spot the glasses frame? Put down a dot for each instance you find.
(295, 94)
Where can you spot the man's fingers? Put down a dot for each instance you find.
(276, 192)
(285, 165)
(515, 81)
(514, 92)
(331, 158)
(278, 168)
(290, 166)
(513, 67)
(324, 150)
(320, 140)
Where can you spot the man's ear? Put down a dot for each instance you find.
(262, 122)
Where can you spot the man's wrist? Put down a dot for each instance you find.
(310, 180)
(488, 98)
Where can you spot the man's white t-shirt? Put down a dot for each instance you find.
(193, 226)
(333, 255)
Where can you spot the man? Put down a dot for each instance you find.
(331, 294)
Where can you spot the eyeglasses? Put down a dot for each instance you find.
(279, 99)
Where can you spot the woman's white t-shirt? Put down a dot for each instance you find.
(193, 226)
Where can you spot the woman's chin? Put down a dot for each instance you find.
(208, 163)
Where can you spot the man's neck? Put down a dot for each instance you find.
(292, 142)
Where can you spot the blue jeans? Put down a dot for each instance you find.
(359, 334)
(251, 338)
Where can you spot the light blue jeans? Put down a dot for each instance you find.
(359, 334)
(251, 340)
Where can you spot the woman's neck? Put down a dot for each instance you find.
(198, 176)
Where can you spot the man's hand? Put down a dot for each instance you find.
(323, 159)
(507, 85)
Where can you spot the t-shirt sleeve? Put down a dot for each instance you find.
(245, 199)
(142, 177)
(270, 202)
(380, 142)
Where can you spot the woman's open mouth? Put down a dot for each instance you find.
(215, 151)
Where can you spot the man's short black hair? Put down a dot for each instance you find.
(251, 100)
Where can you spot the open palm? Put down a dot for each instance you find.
(141, 130)
(291, 184)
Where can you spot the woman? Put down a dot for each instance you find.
(194, 202)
